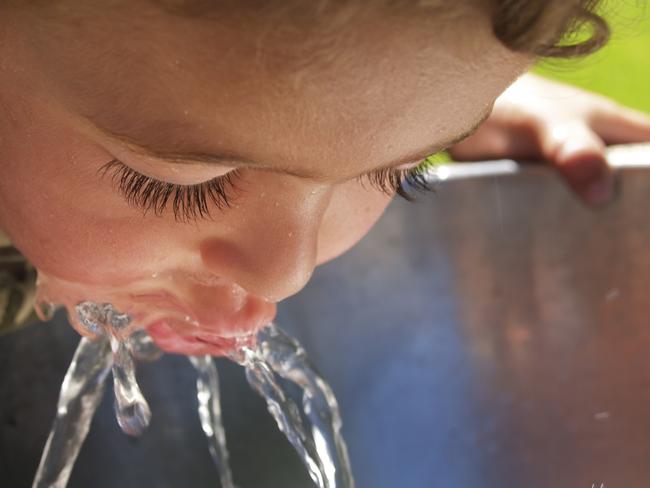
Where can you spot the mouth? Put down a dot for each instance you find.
(179, 341)
(183, 316)
(216, 335)
(209, 320)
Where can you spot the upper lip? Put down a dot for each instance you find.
(233, 318)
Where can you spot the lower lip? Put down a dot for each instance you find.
(181, 340)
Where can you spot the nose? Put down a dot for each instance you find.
(270, 247)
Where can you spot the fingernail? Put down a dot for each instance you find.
(600, 191)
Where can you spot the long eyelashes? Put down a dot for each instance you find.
(401, 181)
(188, 202)
(193, 202)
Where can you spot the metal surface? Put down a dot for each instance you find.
(493, 335)
(627, 156)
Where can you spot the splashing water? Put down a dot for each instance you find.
(267, 357)
(81, 393)
(83, 388)
(284, 411)
(289, 360)
(322, 449)
(207, 393)
(131, 409)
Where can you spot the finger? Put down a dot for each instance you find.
(498, 140)
(578, 153)
(617, 125)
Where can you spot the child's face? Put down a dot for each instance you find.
(299, 120)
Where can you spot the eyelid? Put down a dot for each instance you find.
(191, 202)
(410, 165)
(188, 202)
(171, 172)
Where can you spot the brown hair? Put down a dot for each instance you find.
(548, 27)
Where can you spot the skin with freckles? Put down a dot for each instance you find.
(296, 114)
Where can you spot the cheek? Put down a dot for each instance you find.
(352, 212)
(58, 212)
(72, 225)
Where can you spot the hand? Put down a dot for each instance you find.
(539, 119)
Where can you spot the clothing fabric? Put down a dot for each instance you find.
(17, 288)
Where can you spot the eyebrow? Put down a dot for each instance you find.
(233, 159)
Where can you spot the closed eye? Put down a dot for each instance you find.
(193, 202)
(188, 202)
(403, 182)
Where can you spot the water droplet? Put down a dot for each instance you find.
(133, 418)
(142, 346)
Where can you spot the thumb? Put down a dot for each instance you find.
(578, 154)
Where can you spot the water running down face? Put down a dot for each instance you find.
(292, 115)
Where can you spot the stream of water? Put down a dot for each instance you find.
(316, 434)
(81, 393)
(313, 429)
(207, 393)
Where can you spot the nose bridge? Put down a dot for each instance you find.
(270, 248)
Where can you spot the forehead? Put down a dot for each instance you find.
(315, 94)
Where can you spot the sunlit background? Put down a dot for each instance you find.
(620, 70)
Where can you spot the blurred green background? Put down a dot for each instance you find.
(620, 70)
